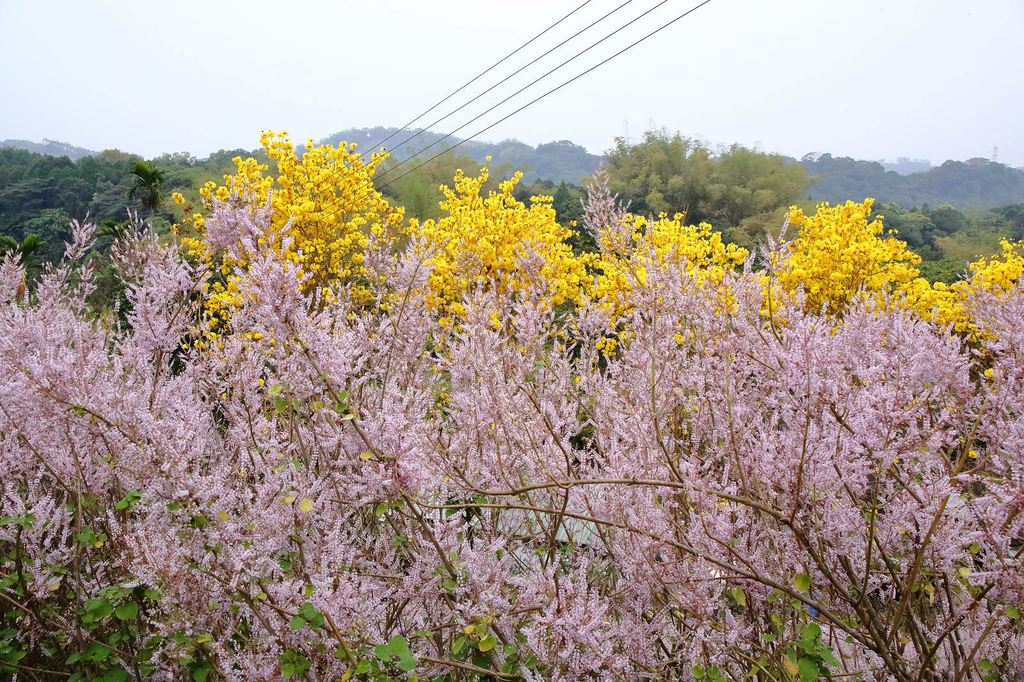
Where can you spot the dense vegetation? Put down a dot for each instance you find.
(316, 440)
(976, 182)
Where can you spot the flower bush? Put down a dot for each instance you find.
(338, 492)
(326, 216)
(496, 243)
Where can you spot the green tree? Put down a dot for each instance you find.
(675, 174)
(53, 227)
(25, 251)
(146, 182)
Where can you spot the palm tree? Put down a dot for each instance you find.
(114, 230)
(146, 183)
(24, 250)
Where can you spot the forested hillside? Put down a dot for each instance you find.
(557, 161)
(976, 182)
(50, 147)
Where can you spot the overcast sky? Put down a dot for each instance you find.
(932, 79)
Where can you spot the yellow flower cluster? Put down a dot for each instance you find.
(633, 246)
(487, 242)
(994, 275)
(838, 253)
(325, 204)
(324, 201)
(953, 303)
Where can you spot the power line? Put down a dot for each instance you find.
(555, 89)
(525, 87)
(370, 183)
(499, 83)
(480, 75)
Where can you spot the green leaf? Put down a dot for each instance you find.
(128, 501)
(810, 632)
(808, 670)
(99, 608)
(297, 623)
(275, 389)
(487, 643)
(292, 662)
(310, 614)
(802, 582)
(739, 596)
(127, 611)
(1012, 612)
(460, 642)
(115, 676)
(398, 646)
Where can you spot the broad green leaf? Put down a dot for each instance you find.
(802, 582)
(99, 608)
(127, 611)
(808, 670)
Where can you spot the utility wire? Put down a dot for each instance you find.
(520, 90)
(479, 76)
(555, 89)
(496, 85)
(370, 183)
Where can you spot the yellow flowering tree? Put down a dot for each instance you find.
(838, 253)
(324, 202)
(953, 303)
(631, 247)
(482, 242)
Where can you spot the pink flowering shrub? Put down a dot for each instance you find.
(329, 490)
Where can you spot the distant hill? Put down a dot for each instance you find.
(975, 182)
(557, 161)
(905, 166)
(50, 148)
(907, 182)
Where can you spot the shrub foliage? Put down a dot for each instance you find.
(448, 463)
